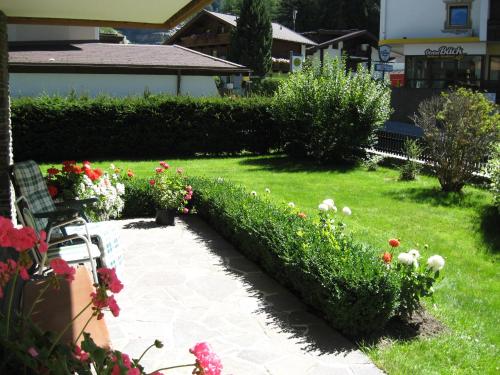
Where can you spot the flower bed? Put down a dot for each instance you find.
(356, 287)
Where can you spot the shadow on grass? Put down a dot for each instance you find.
(282, 163)
(436, 197)
(490, 228)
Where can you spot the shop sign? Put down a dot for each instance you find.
(445, 51)
(383, 68)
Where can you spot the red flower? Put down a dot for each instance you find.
(152, 182)
(53, 191)
(52, 171)
(77, 169)
(68, 162)
(98, 172)
(159, 170)
(302, 215)
(394, 242)
(164, 164)
(110, 280)
(387, 257)
(130, 173)
(61, 268)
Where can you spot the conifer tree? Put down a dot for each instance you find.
(252, 38)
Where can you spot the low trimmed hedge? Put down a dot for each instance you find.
(56, 128)
(349, 285)
(138, 199)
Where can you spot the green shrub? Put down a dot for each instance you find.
(344, 280)
(139, 199)
(460, 129)
(371, 162)
(329, 114)
(56, 128)
(493, 169)
(409, 170)
(266, 87)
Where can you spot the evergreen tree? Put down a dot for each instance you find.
(252, 38)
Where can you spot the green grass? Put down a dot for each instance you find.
(462, 228)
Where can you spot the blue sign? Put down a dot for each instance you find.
(384, 68)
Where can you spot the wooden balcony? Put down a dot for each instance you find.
(201, 40)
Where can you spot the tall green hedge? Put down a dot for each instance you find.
(349, 284)
(56, 128)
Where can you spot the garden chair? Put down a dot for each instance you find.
(62, 221)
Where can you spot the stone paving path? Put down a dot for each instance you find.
(186, 284)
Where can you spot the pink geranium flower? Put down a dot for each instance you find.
(152, 182)
(110, 280)
(33, 352)
(80, 354)
(61, 268)
(159, 170)
(206, 360)
(164, 164)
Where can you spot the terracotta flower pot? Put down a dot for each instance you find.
(165, 216)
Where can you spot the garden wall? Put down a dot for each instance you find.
(55, 128)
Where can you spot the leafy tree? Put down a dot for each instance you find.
(253, 37)
(460, 128)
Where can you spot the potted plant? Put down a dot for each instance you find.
(170, 193)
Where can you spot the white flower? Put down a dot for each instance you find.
(267, 190)
(323, 207)
(329, 203)
(220, 179)
(414, 253)
(291, 204)
(254, 193)
(405, 258)
(112, 166)
(347, 211)
(334, 208)
(435, 262)
(120, 188)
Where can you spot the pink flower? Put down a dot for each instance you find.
(110, 280)
(42, 245)
(159, 170)
(164, 164)
(80, 354)
(207, 361)
(113, 306)
(5, 227)
(188, 197)
(33, 352)
(185, 211)
(61, 268)
(23, 272)
(20, 239)
(157, 373)
(152, 182)
(189, 188)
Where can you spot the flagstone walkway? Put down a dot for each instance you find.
(185, 284)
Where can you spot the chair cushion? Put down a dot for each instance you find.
(32, 186)
(73, 253)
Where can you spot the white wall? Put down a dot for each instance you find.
(422, 19)
(23, 33)
(34, 84)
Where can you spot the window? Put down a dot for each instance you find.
(440, 73)
(458, 15)
(494, 68)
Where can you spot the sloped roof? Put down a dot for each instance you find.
(280, 32)
(115, 56)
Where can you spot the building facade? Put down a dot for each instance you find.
(445, 42)
(58, 60)
(210, 33)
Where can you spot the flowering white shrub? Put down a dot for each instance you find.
(83, 182)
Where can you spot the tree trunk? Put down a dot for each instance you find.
(6, 195)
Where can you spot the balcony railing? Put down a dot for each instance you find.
(200, 40)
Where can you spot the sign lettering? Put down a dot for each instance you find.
(445, 51)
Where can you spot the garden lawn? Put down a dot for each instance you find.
(460, 228)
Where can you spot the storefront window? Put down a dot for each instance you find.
(425, 72)
(494, 68)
